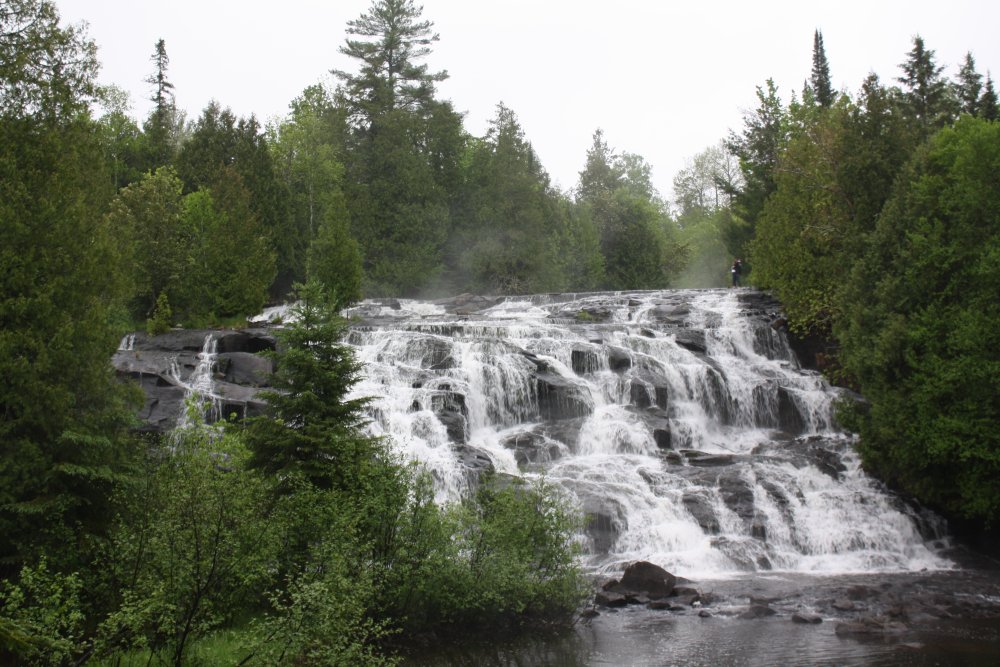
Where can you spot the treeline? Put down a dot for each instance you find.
(373, 187)
(292, 538)
(876, 219)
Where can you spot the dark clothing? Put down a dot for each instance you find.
(736, 271)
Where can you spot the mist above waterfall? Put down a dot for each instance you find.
(679, 422)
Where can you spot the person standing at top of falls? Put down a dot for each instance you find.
(737, 271)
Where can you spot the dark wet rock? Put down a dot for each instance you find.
(704, 614)
(601, 529)
(648, 578)
(789, 417)
(245, 368)
(805, 617)
(738, 496)
(476, 462)
(560, 398)
(757, 611)
(692, 339)
(532, 448)
(662, 397)
(437, 354)
(639, 395)
(700, 507)
(250, 341)
(637, 598)
(697, 458)
(619, 360)
(589, 612)
(843, 605)
(610, 599)
(585, 361)
(659, 604)
(451, 411)
(661, 437)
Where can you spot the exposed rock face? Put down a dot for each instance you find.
(164, 366)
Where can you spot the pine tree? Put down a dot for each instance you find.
(61, 412)
(392, 39)
(989, 108)
(820, 79)
(926, 95)
(757, 149)
(159, 127)
(314, 430)
(968, 86)
(404, 149)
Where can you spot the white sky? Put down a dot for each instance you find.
(663, 79)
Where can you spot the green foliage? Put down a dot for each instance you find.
(314, 432)
(387, 42)
(193, 550)
(503, 558)
(162, 318)
(921, 331)
(510, 230)
(159, 130)
(757, 148)
(146, 217)
(221, 147)
(46, 71)
(334, 258)
(41, 617)
(927, 96)
(822, 88)
(636, 234)
(61, 412)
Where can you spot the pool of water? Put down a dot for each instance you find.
(640, 637)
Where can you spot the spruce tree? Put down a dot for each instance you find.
(404, 149)
(926, 94)
(159, 127)
(820, 79)
(388, 40)
(989, 108)
(61, 283)
(313, 432)
(969, 86)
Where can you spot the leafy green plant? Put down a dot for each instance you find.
(160, 322)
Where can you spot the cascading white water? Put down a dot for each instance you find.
(678, 421)
(199, 385)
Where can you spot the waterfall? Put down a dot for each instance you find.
(679, 422)
(199, 386)
(127, 343)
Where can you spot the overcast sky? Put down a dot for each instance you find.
(662, 79)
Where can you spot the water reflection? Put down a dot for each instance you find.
(639, 638)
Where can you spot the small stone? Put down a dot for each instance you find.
(844, 605)
(704, 614)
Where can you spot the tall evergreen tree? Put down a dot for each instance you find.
(509, 217)
(757, 148)
(159, 127)
(404, 149)
(989, 106)
(820, 78)
(314, 430)
(60, 408)
(969, 86)
(388, 40)
(926, 93)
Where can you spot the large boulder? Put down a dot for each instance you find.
(648, 579)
